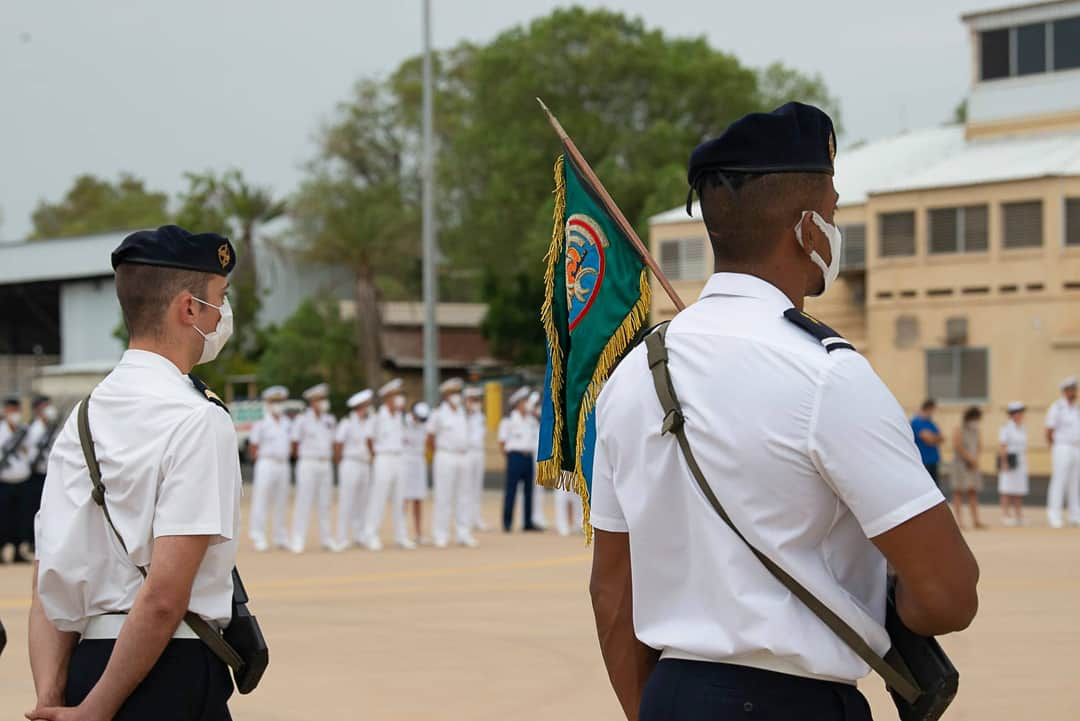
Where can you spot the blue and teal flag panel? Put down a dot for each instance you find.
(596, 300)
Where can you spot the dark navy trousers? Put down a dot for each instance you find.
(698, 691)
(519, 470)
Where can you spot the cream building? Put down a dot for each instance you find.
(961, 269)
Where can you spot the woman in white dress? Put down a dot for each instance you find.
(1012, 462)
(414, 463)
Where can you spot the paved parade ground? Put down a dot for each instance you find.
(504, 633)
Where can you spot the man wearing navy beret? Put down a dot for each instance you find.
(797, 442)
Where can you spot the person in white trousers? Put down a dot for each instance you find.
(313, 445)
(387, 445)
(448, 437)
(414, 467)
(569, 515)
(353, 457)
(1063, 435)
(477, 422)
(269, 446)
(540, 494)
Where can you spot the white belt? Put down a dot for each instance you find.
(108, 627)
(353, 459)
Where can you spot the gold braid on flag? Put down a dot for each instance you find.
(549, 472)
(621, 340)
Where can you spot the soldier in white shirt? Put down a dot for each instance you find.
(313, 445)
(353, 455)
(269, 445)
(474, 411)
(102, 638)
(803, 445)
(517, 440)
(448, 437)
(41, 435)
(414, 466)
(1063, 435)
(387, 445)
(15, 450)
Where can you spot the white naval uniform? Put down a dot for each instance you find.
(17, 469)
(354, 476)
(414, 460)
(539, 493)
(1064, 418)
(809, 453)
(314, 435)
(450, 474)
(270, 485)
(170, 466)
(388, 434)
(38, 432)
(477, 425)
(567, 505)
(1014, 482)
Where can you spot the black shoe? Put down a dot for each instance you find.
(533, 529)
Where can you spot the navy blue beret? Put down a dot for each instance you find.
(170, 246)
(794, 138)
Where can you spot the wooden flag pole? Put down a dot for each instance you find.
(617, 214)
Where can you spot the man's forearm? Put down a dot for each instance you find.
(147, 630)
(629, 664)
(50, 652)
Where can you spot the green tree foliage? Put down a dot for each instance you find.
(94, 205)
(314, 345)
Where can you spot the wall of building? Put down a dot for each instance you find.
(89, 314)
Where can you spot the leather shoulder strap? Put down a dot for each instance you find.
(675, 423)
(218, 645)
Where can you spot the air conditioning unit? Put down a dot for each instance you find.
(956, 331)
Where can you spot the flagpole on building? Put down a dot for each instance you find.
(431, 342)
(612, 208)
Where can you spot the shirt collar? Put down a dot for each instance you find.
(151, 360)
(742, 285)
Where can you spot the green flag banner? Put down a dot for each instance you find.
(596, 300)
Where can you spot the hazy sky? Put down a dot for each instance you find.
(159, 88)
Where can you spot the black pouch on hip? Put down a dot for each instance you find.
(926, 662)
(246, 638)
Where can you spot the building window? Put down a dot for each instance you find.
(1072, 221)
(959, 230)
(853, 256)
(1066, 44)
(897, 234)
(994, 45)
(683, 259)
(1023, 224)
(958, 374)
(1031, 49)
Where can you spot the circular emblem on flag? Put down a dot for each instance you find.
(585, 246)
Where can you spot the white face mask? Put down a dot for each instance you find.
(214, 341)
(324, 405)
(399, 403)
(455, 400)
(273, 408)
(14, 417)
(836, 243)
(51, 414)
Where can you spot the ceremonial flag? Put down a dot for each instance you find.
(596, 301)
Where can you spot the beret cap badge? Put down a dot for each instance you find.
(224, 256)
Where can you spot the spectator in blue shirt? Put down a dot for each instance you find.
(928, 438)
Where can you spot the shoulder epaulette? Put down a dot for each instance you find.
(826, 335)
(205, 391)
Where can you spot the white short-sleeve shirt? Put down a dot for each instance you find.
(517, 433)
(414, 439)
(170, 466)
(809, 453)
(1064, 418)
(450, 426)
(477, 431)
(388, 431)
(314, 435)
(273, 436)
(353, 433)
(17, 469)
(1014, 437)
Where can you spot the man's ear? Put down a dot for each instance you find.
(808, 231)
(185, 309)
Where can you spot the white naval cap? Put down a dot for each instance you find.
(421, 410)
(474, 392)
(275, 393)
(1069, 382)
(322, 390)
(453, 385)
(519, 395)
(359, 399)
(1015, 407)
(392, 386)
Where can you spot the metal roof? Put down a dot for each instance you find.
(61, 259)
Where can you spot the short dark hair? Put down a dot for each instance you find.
(972, 414)
(12, 403)
(929, 404)
(745, 215)
(145, 291)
